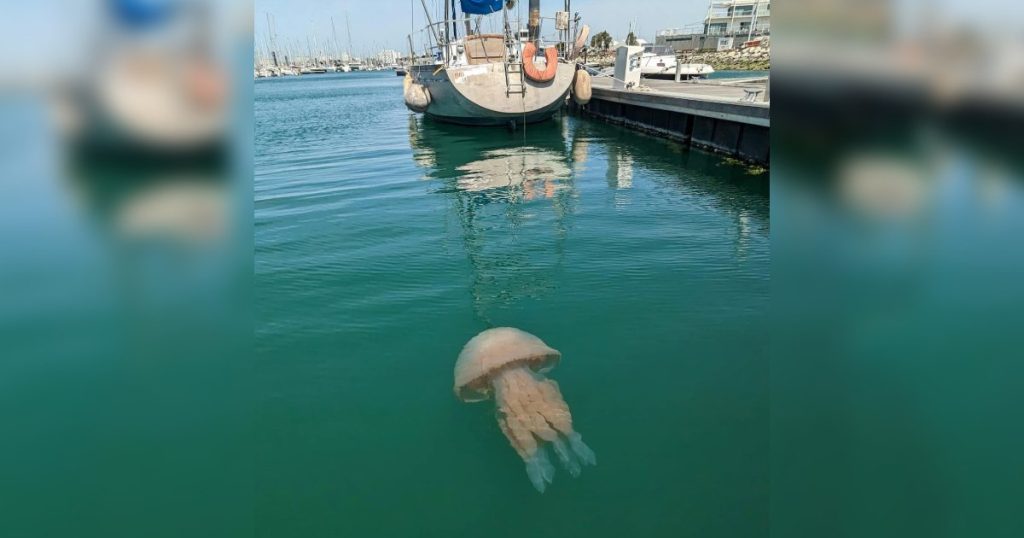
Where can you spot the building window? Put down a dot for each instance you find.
(716, 28)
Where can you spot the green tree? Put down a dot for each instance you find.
(631, 39)
(601, 40)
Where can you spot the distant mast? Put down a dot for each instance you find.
(334, 32)
(348, 30)
(273, 43)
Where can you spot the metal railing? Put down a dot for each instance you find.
(759, 29)
(515, 26)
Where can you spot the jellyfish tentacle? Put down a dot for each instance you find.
(522, 434)
(532, 414)
(540, 470)
(545, 464)
(548, 414)
(584, 452)
(566, 457)
(519, 448)
(561, 418)
(557, 411)
(541, 428)
(538, 411)
(536, 475)
(510, 421)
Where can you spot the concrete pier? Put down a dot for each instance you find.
(727, 116)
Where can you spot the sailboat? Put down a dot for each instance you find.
(508, 78)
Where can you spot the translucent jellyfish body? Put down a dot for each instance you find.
(509, 364)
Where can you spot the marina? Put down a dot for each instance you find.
(385, 240)
(502, 79)
(505, 198)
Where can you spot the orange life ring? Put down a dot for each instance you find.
(530, 68)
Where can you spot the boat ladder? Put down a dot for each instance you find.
(514, 82)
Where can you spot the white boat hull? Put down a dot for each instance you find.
(477, 94)
(664, 66)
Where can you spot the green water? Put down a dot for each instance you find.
(384, 242)
(737, 74)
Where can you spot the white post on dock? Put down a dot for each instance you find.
(627, 68)
(679, 69)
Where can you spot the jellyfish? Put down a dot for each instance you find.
(510, 365)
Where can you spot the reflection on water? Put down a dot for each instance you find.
(186, 205)
(170, 234)
(620, 171)
(704, 178)
(536, 170)
(492, 187)
(500, 185)
(500, 167)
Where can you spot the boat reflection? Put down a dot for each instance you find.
(172, 235)
(513, 202)
(187, 206)
(537, 172)
(494, 163)
(514, 195)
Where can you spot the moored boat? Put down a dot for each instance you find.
(495, 78)
(660, 62)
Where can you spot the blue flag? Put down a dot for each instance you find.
(480, 7)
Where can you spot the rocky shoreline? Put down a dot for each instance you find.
(748, 59)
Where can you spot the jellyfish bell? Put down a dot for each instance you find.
(509, 364)
(494, 349)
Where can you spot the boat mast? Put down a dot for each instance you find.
(447, 34)
(348, 30)
(534, 24)
(272, 45)
(430, 23)
(334, 32)
(455, 26)
(570, 31)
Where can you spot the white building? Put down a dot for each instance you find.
(388, 57)
(739, 18)
(727, 25)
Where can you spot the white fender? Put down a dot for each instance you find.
(581, 91)
(417, 97)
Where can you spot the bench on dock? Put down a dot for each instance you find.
(752, 94)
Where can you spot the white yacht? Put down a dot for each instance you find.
(660, 62)
(505, 78)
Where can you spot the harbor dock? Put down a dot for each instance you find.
(725, 116)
